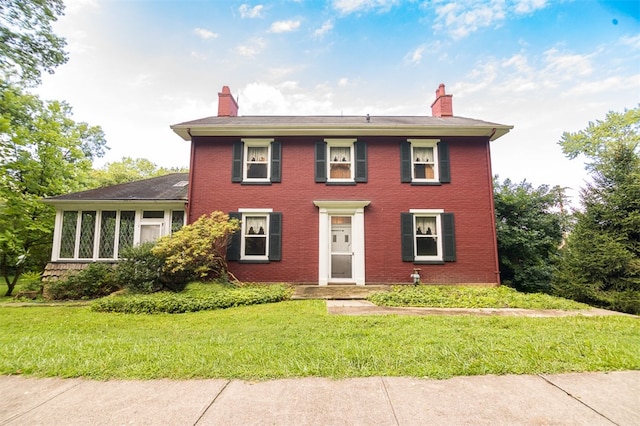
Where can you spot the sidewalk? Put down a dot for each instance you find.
(567, 399)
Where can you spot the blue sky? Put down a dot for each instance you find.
(545, 67)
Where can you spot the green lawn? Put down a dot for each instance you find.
(299, 338)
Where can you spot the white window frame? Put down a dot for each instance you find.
(341, 143)
(256, 143)
(425, 143)
(430, 213)
(251, 212)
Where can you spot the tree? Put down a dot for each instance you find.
(529, 227)
(198, 250)
(601, 262)
(44, 153)
(28, 45)
(128, 170)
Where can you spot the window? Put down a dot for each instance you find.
(425, 162)
(256, 161)
(259, 239)
(104, 234)
(428, 236)
(341, 161)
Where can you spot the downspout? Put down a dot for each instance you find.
(190, 191)
(493, 209)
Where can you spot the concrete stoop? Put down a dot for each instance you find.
(337, 292)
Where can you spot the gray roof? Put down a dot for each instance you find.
(277, 125)
(171, 187)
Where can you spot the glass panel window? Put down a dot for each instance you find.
(426, 236)
(107, 235)
(153, 214)
(423, 163)
(68, 234)
(340, 165)
(255, 235)
(127, 228)
(177, 220)
(149, 232)
(87, 234)
(257, 162)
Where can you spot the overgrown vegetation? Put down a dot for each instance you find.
(601, 261)
(299, 339)
(470, 297)
(97, 280)
(529, 227)
(197, 297)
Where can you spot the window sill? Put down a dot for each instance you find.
(254, 261)
(350, 183)
(249, 182)
(419, 183)
(428, 262)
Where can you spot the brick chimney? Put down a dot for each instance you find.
(227, 106)
(443, 105)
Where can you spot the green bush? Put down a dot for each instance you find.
(96, 280)
(174, 303)
(141, 271)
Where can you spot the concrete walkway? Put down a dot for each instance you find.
(562, 399)
(363, 307)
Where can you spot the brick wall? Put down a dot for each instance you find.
(468, 196)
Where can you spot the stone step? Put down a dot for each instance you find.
(337, 292)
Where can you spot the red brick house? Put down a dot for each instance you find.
(349, 199)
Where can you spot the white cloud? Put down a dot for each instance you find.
(563, 66)
(247, 11)
(346, 7)
(633, 41)
(415, 56)
(205, 34)
(343, 82)
(287, 98)
(325, 28)
(528, 6)
(284, 26)
(252, 47)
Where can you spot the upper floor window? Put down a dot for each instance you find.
(341, 161)
(425, 161)
(427, 236)
(259, 238)
(256, 161)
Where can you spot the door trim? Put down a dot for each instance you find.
(355, 209)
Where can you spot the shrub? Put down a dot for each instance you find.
(140, 270)
(174, 303)
(198, 250)
(96, 280)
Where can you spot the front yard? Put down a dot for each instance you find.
(299, 338)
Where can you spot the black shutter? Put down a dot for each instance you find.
(233, 248)
(406, 223)
(405, 161)
(443, 158)
(448, 238)
(361, 161)
(275, 236)
(236, 168)
(321, 162)
(276, 160)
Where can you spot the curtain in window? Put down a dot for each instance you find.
(255, 236)
(340, 163)
(426, 238)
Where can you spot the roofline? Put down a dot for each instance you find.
(55, 202)
(187, 131)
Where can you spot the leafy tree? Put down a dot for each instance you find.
(529, 225)
(601, 262)
(198, 250)
(44, 153)
(28, 45)
(128, 170)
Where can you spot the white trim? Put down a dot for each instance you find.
(425, 143)
(355, 209)
(435, 213)
(256, 143)
(255, 210)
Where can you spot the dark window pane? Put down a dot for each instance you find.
(107, 234)
(87, 234)
(68, 237)
(153, 214)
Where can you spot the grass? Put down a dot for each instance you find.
(299, 338)
(471, 297)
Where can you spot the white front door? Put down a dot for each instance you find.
(341, 249)
(341, 256)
